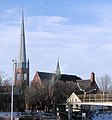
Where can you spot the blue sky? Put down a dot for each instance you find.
(78, 32)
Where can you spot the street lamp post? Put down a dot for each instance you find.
(84, 95)
(12, 91)
(84, 92)
(87, 92)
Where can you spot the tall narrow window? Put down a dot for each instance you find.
(18, 76)
(25, 76)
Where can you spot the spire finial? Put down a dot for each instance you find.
(22, 8)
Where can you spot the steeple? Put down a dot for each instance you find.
(22, 67)
(58, 72)
(22, 49)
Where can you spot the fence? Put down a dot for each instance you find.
(96, 97)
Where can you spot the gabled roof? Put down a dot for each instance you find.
(84, 84)
(65, 77)
(73, 98)
(87, 85)
(37, 81)
(46, 78)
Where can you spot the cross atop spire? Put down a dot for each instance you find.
(22, 49)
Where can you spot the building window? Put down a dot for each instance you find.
(18, 76)
(25, 76)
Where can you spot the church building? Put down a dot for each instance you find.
(21, 78)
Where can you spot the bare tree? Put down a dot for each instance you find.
(104, 83)
(49, 96)
(5, 80)
(39, 97)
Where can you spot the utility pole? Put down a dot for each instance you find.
(12, 92)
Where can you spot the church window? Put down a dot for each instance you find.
(18, 76)
(25, 76)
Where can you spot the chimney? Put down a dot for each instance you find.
(92, 77)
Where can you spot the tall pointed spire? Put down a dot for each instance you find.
(22, 67)
(58, 71)
(22, 49)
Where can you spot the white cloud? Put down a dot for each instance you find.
(78, 46)
(81, 47)
(9, 13)
(44, 21)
